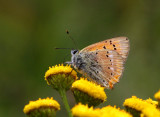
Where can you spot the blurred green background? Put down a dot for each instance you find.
(30, 29)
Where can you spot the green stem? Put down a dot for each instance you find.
(64, 99)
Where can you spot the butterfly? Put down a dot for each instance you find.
(102, 62)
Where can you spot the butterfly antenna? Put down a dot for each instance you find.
(63, 48)
(72, 39)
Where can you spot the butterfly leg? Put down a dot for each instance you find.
(69, 62)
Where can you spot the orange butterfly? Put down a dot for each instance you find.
(102, 62)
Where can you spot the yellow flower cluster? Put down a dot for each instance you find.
(60, 70)
(147, 107)
(90, 88)
(47, 103)
(109, 111)
(63, 77)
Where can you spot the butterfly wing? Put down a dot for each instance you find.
(118, 44)
(103, 66)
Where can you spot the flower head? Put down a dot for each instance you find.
(137, 106)
(46, 106)
(110, 111)
(84, 111)
(60, 76)
(88, 92)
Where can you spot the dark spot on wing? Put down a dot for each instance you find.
(114, 45)
(108, 67)
(115, 49)
(107, 52)
(106, 55)
(104, 47)
(110, 42)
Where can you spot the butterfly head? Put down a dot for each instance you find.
(74, 52)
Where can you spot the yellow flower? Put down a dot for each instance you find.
(48, 105)
(137, 106)
(88, 92)
(110, 111)
(157, 95)
(137, 103)
(60, 70)
(84, 111)
(90, 88)
(60, 76)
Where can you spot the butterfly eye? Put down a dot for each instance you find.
(74, 52)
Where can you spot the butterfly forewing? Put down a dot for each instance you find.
(118, 44)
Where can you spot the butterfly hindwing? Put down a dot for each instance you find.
(112, 66)
(103, 66)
